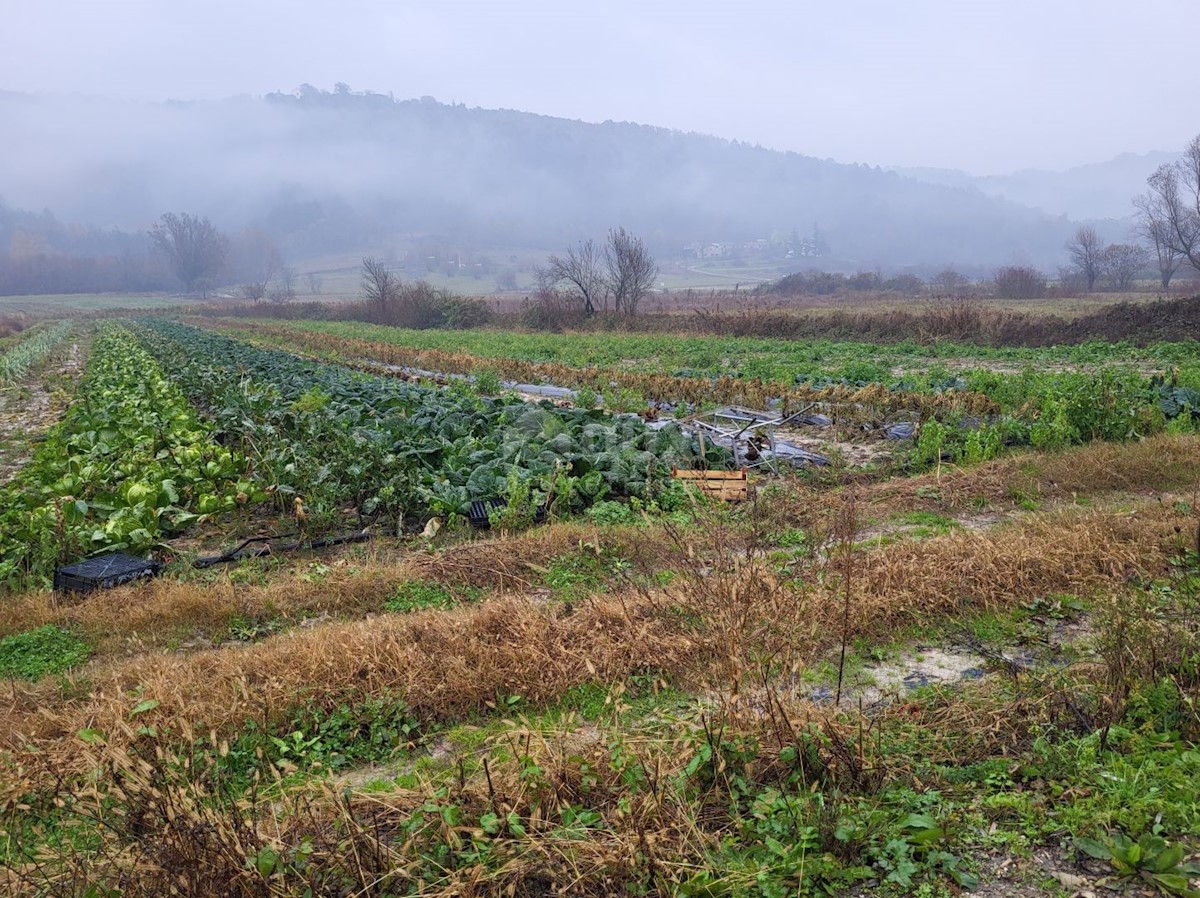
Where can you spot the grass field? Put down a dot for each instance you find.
(972, 666)
(47, 305)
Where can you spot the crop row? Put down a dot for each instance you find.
(771, 359)
(129, 464)
(341, 441)
(970, 417)
(22, 357)
(856, 402)
(1115, 402)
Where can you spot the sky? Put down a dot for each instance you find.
(988, 86)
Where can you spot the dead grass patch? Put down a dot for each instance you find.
(1151, 467)
(727, 625)
(1066, 551)
(150, 616)
(444, 664)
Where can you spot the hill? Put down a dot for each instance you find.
(333, 171)
(1099, 190)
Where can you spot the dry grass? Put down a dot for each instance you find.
(1149, 467)
(137, 618)
(1146, 468)
(726, 623)
(443, 664)
(1065, 551)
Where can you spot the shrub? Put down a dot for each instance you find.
(1019, 282)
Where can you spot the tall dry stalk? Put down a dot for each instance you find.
(845, 530)
(748, 623)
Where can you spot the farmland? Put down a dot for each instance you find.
(963, 658)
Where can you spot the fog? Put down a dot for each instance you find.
(328, 171)
(114, 114)
(989, 86)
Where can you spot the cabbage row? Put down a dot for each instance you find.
(129, 464)
(20, 359)
(343, 441)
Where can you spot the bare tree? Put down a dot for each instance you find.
(1070, 281)
(253, 290)
(1153, 226)
(950, 282)
(1120, 263)
(379, 285)
(194, 248)
(314, 282)
(1174, 203)
(580, 270)
(284, 288)
(1085, 250)
(631, 270)
(264, 272)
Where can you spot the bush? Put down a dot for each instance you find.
(1019, 282)
(552, 310)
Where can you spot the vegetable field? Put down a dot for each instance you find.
(175, 427)
(130, 465)
(974, 411)
(963, 655)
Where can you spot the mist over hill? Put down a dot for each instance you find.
(1098, 190)
(325, 172)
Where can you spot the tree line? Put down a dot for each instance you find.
(1168, 220)
(44, 256)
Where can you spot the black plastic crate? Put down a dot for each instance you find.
(481, 510)
(103, 572)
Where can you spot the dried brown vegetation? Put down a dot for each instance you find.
(144, 617)
(10, 325)
(727, 623)
(953, 318)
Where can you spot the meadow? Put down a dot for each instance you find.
(969, 662)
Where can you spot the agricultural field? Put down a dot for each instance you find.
(974, 403)
(49, 305)
(960, 656)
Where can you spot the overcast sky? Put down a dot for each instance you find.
(985, 85)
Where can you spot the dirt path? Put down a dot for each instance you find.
(29, 408)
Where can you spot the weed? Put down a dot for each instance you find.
(418, 595)
(37, 653)
(610, 512)
(1149, 858)
(487, 383)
